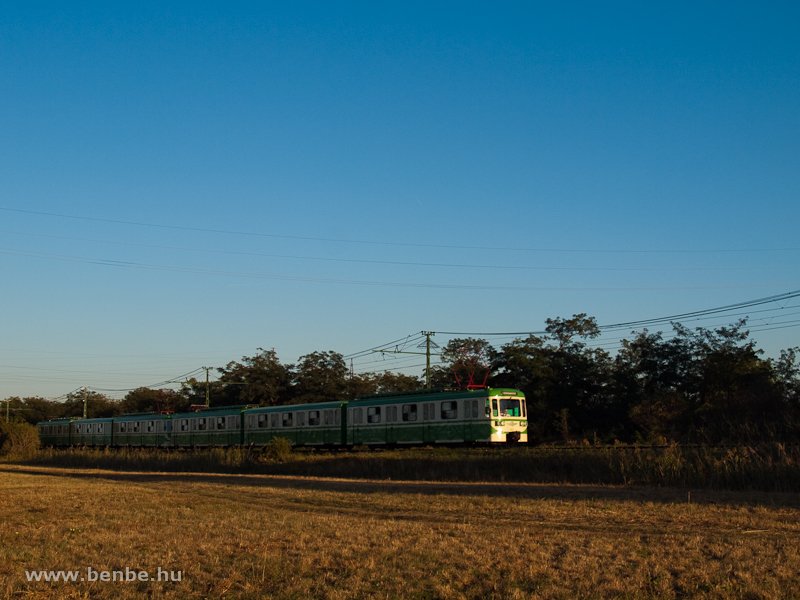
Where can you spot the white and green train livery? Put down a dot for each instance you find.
(441, 417)
(395, 419)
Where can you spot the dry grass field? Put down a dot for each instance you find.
(261, 536)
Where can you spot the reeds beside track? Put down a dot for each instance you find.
(767, 467)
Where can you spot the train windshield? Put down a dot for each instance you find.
(512, 407)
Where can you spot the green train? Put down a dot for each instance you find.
(402, 418)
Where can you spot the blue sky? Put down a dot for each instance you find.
(182, 184)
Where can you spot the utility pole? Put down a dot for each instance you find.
(208, 387)
(85, 402)
(428, 335)
(427, 344)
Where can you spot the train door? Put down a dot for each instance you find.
(391, 424)
(429, 422)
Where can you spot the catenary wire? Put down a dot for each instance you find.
(408, 263)
(380, 243)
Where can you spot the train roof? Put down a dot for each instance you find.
(433, 394)
(285, 407)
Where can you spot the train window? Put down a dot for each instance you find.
(201, 424)
(301, 419)
(151, 426)
(136, 427)
(337, 418)
(184, 424)
(474, 409)
(262, 421)
(450, 410)
(488, 410)
(494, 407)
(220, 422)
(233, 422)
(359, 415)
(313, 417)
(394, 414)
(509, 407)
(287, 419)
(524, 407)
(327, 417)
(425, 412)
(374, 414)
(275, 419)
(409, 412)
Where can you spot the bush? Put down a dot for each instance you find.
(18, 440)
(279, 449)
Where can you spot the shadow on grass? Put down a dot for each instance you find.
(535, 491)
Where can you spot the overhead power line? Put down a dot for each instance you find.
(394, 284)
(404, 263)
(658, 320)
(383, 243)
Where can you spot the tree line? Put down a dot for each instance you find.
(696, 386)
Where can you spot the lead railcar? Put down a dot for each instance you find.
(438, 417)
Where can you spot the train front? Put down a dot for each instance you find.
(508, 414)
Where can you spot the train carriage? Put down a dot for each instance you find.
(220, 426)
(438, 417)
(143, 429)
(55, 433)
(91, 432)
(321, 424)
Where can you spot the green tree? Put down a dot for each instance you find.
(31, 409)
(652, 379)
(464, 360)
(149, 400)
(259, 379)
(99, 405)
(321, 377)
(565, 382)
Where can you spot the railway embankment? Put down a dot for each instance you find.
(763, 467)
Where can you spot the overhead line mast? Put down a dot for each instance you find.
(427, 344)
